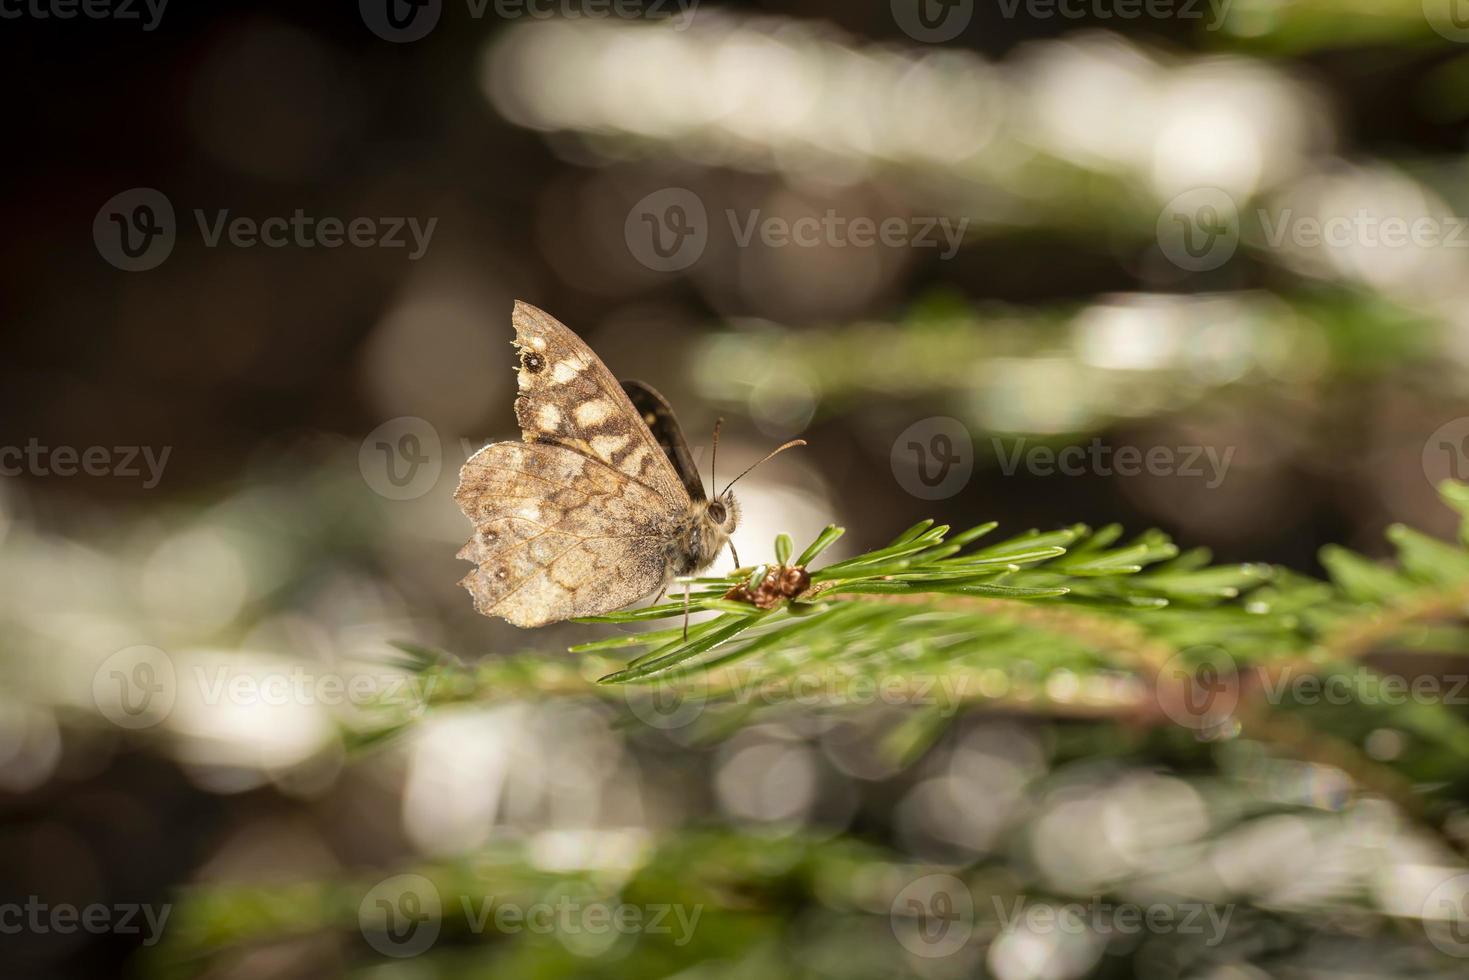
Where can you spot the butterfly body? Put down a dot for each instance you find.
(699, 538)
(597, 507)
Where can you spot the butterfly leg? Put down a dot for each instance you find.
(686, 612)
(661, 593)
(734, 553)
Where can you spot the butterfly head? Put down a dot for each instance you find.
(723, 514)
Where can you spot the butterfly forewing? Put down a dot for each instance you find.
(569, 398)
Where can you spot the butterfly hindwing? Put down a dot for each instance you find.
(658, 416)
(557, 534)
(568, 397)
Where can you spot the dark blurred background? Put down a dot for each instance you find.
(273, 388)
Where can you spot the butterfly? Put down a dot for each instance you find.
(600, 505)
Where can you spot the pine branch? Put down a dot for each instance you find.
(1074, 599)
(1069, 623)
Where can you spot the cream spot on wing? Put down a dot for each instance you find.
(549, 416)
(530, 510)
(634, 462)
(593, 412)
(605, 446)
(564, 371)
(539, 343)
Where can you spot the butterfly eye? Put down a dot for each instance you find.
(534, 362)
(717, 513)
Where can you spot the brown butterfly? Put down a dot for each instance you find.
(600, 505)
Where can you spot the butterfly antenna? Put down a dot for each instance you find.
(714, 453)
(768, 456)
